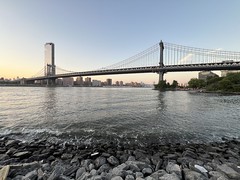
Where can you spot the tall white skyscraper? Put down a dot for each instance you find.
(49, 66)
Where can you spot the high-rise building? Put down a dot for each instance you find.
(205, 74)
(79, 81)
(49, 66)
(121, 83)
(69, 81)
(96, 83)
(88, 81)
(109, 82)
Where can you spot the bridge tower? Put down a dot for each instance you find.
(49, 65)
(161, 73)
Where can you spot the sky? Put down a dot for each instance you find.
(90, 34)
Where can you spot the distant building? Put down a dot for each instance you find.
(49, 66)
(109, 82)
(121, 83)
(117, 83)
(59, 82)
(68, 81)
(79, 81)
(205, 74)
(96, 83)
(225, 72)
(87, 81)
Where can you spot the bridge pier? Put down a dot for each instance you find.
(161, 75)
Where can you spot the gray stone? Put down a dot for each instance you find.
(113, 161)
(31, 175)
(118, 172)
(104, 168)
(91, 166)
(139, 178)
(158, 174)
(66, 156)
(131, 158)
(4, 157)
(147, 171)
(12, 143)
(174, 168)
(58, 171)
(23, 154)
(138, 174)
(129, 177)
(190, 154)
(149, 178)
(172, 176)
(189, 175)
(215, 174)
(80, 171)
(62, 177)
(93, 172)
(117, 178)
(84, 176)
(98, 177)
(138, 164)
(100, 161)
(231, 173)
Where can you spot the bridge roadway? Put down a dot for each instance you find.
(149, 69)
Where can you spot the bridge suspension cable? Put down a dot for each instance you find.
(39, 73)
(178, 54)
(148, 57)
(62, 71)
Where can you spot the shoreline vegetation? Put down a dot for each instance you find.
(41, 159)
(222, 85)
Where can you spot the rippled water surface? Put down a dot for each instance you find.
(138, 115)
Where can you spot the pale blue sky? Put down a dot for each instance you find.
(95, 33)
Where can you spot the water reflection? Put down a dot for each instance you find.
(50, 104)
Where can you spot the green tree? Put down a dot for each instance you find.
(174, 84)
(225, 85)
(193, 83)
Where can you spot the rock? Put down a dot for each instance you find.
(155, 158)
(4, 157)
(137, 165)
(62, 177)
(66, 156)
(80, 171)
(172, 176)
(189, 175)
(129, 177)
(158, 174)
(93, 172)
(104, 168)
(117, 178)
(12, 143)
(91, 166)
(98, 177)
(149, 178)
(131, 158)
(113, 161)
(31, 175)
(190, 154)
(139, 178)
(70, 170)
(139, 174)
(22, 155)
(171, 156)
(100, 161)
(57, 172)
(147, 171)
(4, 172)
(216, 174)
(231, 173)
(84, 176)
(118, 172)
(174, 168)
(159, 164)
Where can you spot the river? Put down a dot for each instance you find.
(125, 115)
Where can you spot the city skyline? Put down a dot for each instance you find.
(89, 34)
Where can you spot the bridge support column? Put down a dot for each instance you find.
(161, 74)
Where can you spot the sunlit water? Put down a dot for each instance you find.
(138, 115)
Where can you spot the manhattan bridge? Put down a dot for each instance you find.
(161, 58)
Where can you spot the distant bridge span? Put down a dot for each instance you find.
(150, 69)
(160, 58)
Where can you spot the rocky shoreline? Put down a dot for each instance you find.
(41, 160)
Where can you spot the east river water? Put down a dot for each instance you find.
(125, 115)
